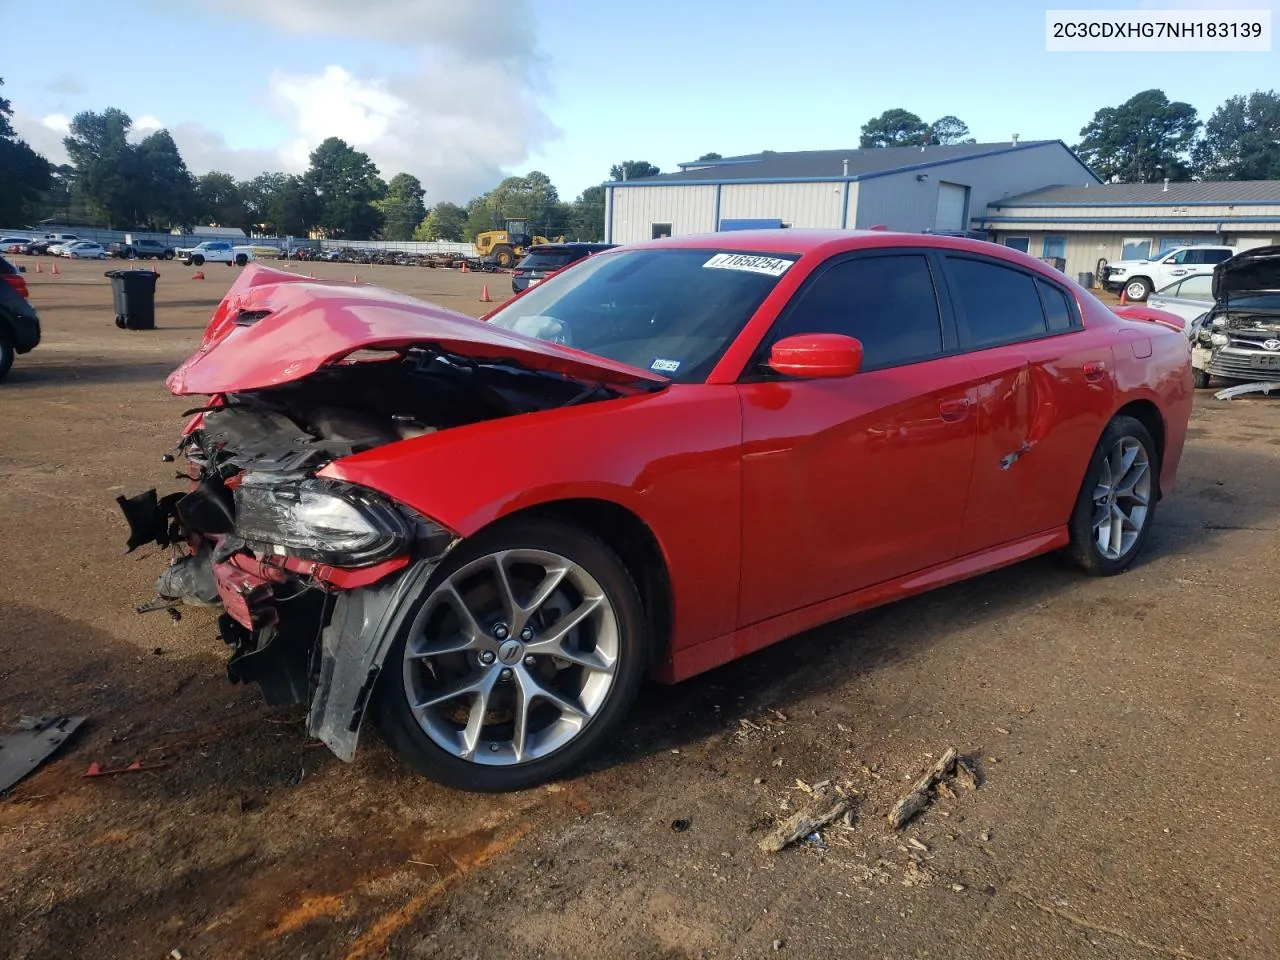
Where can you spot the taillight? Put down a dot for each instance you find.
(20, 285)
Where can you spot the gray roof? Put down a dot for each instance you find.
(1149, 194)
(829, 164)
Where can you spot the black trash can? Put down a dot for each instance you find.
(1085, 280)
(133, 295)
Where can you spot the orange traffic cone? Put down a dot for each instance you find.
(354, 278)
(464, 266)
(39, 268)
(484, 295)
(1124, 296)
(55, 268)
(198, 275)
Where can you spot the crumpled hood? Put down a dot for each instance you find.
(1249, 272)
(274, 327)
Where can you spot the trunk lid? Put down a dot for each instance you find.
(1254, 271)
(274, 327)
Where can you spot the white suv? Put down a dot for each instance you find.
(1137, 278)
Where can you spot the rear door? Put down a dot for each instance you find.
(1043, 393)
(853, 481)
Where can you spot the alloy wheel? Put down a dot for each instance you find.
(1122, 498)
(511, 657)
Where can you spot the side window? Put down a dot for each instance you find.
(1057, 310)
(888, 303)
(1180, 257)
(999, 304)
(1217, 256)
(1199, 288)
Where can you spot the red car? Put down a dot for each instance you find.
(487, 533)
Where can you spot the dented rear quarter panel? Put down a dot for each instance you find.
(671, 458)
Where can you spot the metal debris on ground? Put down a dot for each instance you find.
(37, 739)
(827, 806)
(917, 798)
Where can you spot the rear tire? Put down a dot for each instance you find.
(7, 354)
(241, 259)
(600, 691)
(1201, 378)
(1117, 500)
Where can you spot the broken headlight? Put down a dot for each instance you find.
(323, 520)
(1219, 339)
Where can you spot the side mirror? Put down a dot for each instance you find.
(816, 355)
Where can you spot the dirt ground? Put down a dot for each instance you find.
(1126, 732)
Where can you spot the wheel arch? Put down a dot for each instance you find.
(636, 545)
(1146, 412)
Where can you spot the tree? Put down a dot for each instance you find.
(168, 191)
(709, 156)
(293, 207)
(532, 197)
(633, 170)
(446, 221)
(949, 130)
(894, 128)
(106, 165)
(27, 175)
(1242, 139)
(588, 215)
(219, 201)
(402, 208)
(347, 183)
(1144, 139)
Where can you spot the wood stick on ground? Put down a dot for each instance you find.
(918, 797)
(827, 807)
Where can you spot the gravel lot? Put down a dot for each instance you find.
(1126, 732)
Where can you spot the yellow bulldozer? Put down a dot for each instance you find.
(509, 245)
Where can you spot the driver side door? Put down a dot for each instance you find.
(852, 481)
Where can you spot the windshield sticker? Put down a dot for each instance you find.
(665, 366)
(770, 266)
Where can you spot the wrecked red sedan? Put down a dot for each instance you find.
(486, 534)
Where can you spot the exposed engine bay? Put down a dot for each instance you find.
(309, 572)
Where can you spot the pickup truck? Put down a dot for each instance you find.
(215, 251)
(1137, 278)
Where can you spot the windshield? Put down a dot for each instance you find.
(671, 311)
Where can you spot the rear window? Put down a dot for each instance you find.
(551, 259)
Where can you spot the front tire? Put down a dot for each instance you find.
(1200, 378)
(198, 260)
(241, 259)
(522, 657)
(1137, 290)
(1117, 500)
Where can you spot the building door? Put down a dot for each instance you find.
(953, 207)
(1250, 243)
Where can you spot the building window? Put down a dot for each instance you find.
(1136, 248)
(1021, 244)
(1171, 243)
(660, 230)
(1055, 247)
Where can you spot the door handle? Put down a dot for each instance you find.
(1176, 273)
(1095, 370)
(954, 410)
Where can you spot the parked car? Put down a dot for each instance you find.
(83, 250)
(1137, 278)
(40, 246)
(1188, 297)
(11, 275)
(1238, 339)
(142, 249)
(19, 322)
(547, 258)
(704, 445)
(215, 251)
(13, 244)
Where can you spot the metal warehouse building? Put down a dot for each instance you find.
(916, 189)
(1133, 221)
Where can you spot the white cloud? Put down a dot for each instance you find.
(461, 106)
(43, 134)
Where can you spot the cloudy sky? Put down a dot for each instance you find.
(460, 92)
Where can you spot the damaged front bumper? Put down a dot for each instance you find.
(305, 632)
